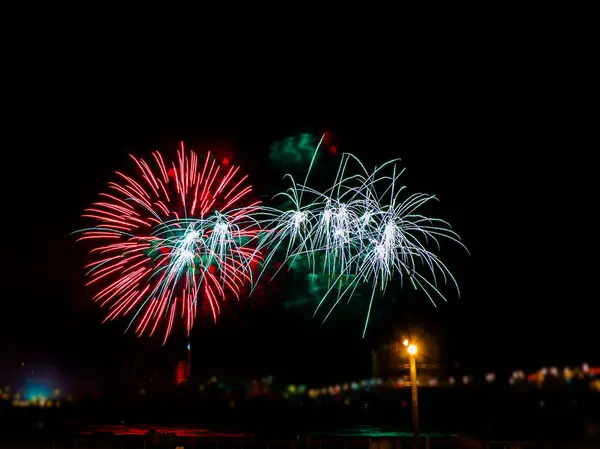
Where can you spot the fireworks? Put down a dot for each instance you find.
(360, 231)
(175, 238)
(172, 239)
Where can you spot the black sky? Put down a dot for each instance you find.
(491, 135)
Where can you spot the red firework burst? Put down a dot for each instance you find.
(175, 238)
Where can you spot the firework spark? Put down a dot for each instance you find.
(172, 239)
(366, 232)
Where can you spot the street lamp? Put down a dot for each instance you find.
(412, 351)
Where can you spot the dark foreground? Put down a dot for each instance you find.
(451, 418)
(142, 437)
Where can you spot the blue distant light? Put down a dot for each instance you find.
(37, 391)
(188, 346)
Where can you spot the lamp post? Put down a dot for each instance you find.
(412, 351)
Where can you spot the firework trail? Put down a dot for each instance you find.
(171, 239)
(367, 233)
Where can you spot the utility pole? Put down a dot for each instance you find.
(189, 366)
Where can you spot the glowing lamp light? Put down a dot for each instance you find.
(405, 342)
(412, 349)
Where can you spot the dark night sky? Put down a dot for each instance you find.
(491, 136)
